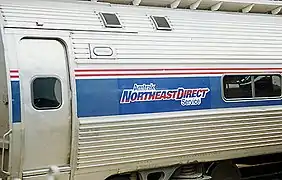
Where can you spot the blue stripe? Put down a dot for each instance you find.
(101, 97)
(16, 101)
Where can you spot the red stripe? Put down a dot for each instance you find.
(14, 71)
(14, 76)
(173, 69)
(153, 74)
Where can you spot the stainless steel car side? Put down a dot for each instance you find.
(117, 91)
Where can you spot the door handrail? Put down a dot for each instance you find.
(3, 152)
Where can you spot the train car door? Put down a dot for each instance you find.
(45, 108)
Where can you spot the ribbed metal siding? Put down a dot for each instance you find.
(53, 18)
(132, 140)
(195, 36)
(187, 48)
(69, 16)
(195, 39)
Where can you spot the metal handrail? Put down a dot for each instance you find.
(53, 173)
(3, 152)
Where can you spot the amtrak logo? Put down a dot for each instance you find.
(149, 92)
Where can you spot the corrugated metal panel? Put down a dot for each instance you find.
(83, 16)
(54, 18)
(198, 41)
(116, 142)
(68, 16)
(195, 36)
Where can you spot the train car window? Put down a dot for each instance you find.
(161, 23)
(46, 93)
(267, 85)
(110, 20)
(252, 86)
(237, 86)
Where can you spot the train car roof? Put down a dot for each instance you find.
(245, 6)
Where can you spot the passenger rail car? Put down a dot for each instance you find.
(143, 90)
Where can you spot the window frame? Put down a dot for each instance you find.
(32, 93)
(253, 87)
(161, 28)
(101, 14)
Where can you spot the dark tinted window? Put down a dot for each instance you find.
(267, 86)
(251, 86)
(110, 20)
(161, 23)
(46, 93)
(237, 86)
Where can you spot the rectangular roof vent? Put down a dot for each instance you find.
(161, 23)
(110, 20)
